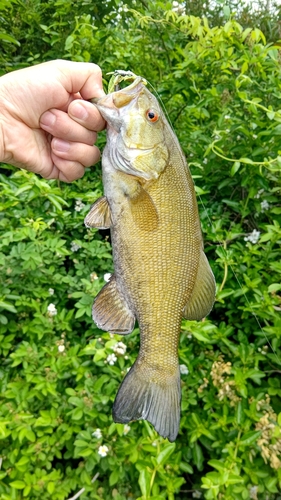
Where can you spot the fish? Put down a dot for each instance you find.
(161, 273)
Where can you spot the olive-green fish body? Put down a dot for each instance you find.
(161, 272)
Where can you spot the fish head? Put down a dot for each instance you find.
(136, 130)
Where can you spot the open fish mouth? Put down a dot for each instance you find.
(110, 104)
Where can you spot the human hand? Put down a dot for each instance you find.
(46, 124)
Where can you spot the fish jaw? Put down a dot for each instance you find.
(110, 105)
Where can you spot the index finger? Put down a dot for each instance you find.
(85, 78)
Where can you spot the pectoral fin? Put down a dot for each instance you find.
(203, 295)
(143, 210)
(99, 215)
(111, 312)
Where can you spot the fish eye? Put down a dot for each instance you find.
(152, 116)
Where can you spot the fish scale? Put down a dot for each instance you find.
(161, 273)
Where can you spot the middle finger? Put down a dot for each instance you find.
(60, 125)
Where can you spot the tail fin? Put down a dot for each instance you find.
(147, 394)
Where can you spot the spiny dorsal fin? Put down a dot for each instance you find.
(143, 210)
(111, 312)
(99, 215)
(204, 291)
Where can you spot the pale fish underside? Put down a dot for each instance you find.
(161, 272)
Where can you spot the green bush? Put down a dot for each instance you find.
(59, 373)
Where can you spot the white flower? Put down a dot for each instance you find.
(103, 450)
(253, 492)
(227, 131)
(119, 348)
(74, 246)
(97, 434)
(93, 276)
(264, 205)
(126, 429)
(197, 494)
(238, 137)
(51, 291)
(184, 370)
(205, 161)
(253, 237)
(61, 348)
(107, 276)
(78, 205)
(260, 191)
(227, 117)
(52, 310)
(255, 136)
(111, 358)
(189, 336)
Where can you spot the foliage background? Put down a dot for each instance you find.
(218, 75)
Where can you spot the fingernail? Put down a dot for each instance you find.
(48, 119)
(60, 145)
(79, 111)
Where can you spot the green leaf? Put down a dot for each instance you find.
(274, 287)
(220, 466)
(51, 487)
(22, 462)
(198, 456)
(165, 453)
(114, 477)
(74, 400)
(18, 485)
(246, 160)
(185, 467)
(201, 336)
(144, 482)
(270, 484)
(77, 414)
(85, 452)
(234, 479)
(9, 38)
(29, 434)
(249, 438)
(9, 307)
(235, 167)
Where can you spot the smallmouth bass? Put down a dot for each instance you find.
(161, 272)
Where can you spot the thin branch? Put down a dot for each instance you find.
(77, 495)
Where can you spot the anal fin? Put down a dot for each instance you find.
(111, 312)
(203, 295)
(99, 215)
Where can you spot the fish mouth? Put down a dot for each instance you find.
(110, 104)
